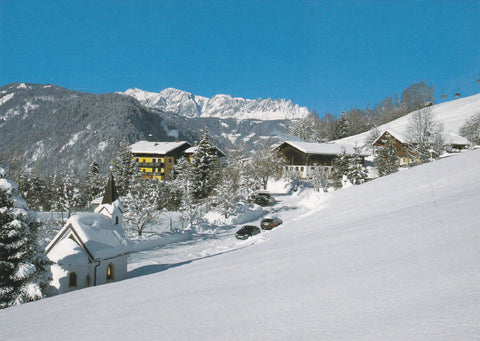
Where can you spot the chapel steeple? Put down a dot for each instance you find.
(110, 191)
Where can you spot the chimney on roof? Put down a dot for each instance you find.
(195, 143)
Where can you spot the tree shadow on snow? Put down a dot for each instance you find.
(155, 268)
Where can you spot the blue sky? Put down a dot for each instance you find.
(325, 55)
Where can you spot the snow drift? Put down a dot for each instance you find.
(394, 259)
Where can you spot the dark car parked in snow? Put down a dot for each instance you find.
(269, 223)
(247, 231)
(263, 198)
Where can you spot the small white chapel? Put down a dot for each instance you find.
(92, 248)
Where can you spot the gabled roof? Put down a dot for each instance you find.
(396, 134)
(449, 138)
(321, 148)
(160, 148)
(91, 232)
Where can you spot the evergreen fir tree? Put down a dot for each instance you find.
(32, 189)
(189, 207)
(124, 169)
(386, 160)
(68, 193)
(341, 167)
(24, 273)
(205, 168)
(356, 171)
(342, 126)
(93, 185)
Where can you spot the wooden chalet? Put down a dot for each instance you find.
(401, 144)
(303, 157)
(406, 151)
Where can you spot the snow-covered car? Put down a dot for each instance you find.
(247, 231)
(263, 198)
(269, 223)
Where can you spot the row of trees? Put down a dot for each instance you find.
(62, 191)
(314, 128)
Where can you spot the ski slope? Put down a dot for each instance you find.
(394, 259)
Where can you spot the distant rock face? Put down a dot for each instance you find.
(220, 106)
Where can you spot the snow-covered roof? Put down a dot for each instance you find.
(451, 138)
(67, 251)
(322, 148)
(396, 134)
(161, 148)
(108, 209)
(448, 137)
(92, 232)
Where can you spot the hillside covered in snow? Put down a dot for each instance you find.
(452, 115)
(397, 258)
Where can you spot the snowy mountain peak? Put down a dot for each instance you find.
(220, 106)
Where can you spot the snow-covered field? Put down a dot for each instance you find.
(394, 259)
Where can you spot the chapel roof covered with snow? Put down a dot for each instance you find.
(158, 148)
(93, 233)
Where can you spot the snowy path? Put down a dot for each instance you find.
(206, 244)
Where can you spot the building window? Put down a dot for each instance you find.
(72, 280)
(116, 220)
(88, 280)
(110, 272)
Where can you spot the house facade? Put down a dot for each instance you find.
(92, 248)
(405, 154)
(156, 159)
(406, 150)
(303, 157)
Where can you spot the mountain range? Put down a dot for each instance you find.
(46, 128)
(219, 106)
